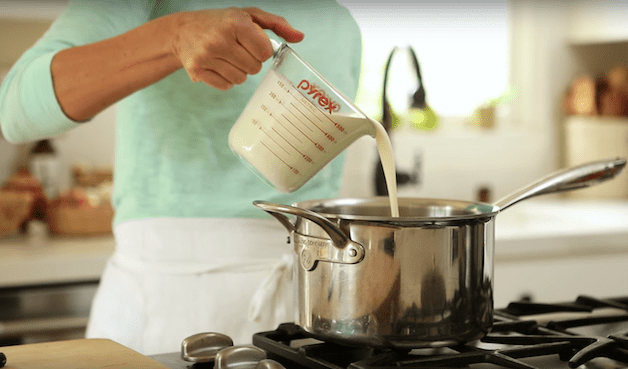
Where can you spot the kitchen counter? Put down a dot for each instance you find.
(540, 228)
(554, 249)
(534, 230)
(34, 261)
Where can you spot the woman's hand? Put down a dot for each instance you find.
(220, 47)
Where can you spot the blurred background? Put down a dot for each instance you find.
(513, 91)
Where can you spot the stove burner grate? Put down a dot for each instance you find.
(514, 336)
(585, 347)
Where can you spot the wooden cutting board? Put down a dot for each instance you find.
(76, 354)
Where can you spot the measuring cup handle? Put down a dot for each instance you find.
(276, 46)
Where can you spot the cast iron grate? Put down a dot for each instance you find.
(513, 337)
(614, 345)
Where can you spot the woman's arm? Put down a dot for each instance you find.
(219, 47)
(97, 53)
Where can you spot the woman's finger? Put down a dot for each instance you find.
(227, 71)
(253, 38)
(212, 79)
(228, 74)
(255, 41)
(275, 23)
(241, 58)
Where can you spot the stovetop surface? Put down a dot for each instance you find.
(586, 333)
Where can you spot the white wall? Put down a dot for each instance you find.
(91, 144)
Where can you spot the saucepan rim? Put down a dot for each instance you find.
(431, 210)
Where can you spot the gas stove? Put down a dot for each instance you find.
(587, 332)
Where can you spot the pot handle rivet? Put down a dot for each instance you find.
(338, 237)
(307, 260)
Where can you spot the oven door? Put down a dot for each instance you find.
(42, 313)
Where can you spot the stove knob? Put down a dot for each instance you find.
(240, 357)
(269, 364)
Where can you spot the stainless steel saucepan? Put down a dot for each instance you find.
(424, 279)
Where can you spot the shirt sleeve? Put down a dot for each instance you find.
(29, 109)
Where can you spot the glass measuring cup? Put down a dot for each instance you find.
(295, 123)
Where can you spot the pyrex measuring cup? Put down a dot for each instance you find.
(295, 123)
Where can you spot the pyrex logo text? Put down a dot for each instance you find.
(319, 96)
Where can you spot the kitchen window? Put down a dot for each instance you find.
(462, 48)
(464, 51)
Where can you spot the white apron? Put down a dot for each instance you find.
(170, 278)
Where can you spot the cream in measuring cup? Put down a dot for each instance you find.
(296, 123)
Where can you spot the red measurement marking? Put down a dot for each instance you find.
(286, 129)
(307, 158)
(339, 127)
(275, 141)
(305, 116)
(316, 144)
(293, 169)
(325, 133)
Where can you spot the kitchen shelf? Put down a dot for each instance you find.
(593, 22)
(595, 138)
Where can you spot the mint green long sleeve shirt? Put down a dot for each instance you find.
(172, 157)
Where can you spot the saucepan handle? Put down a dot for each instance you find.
(581, 176)
(340, 249)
